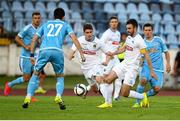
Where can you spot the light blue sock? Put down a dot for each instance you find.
(32, 85)
(59, 86)
(139, 89)
(16, 81)
(151, 92)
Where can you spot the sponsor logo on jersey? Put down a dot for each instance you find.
(129, 48)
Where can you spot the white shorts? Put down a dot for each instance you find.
(90, 73)
(112, 63)
(129, 72)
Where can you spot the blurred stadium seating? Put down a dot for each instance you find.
(164, 14)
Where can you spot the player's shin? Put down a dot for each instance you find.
(33, 84)
(60, 86)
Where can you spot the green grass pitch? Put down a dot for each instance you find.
(161, 108)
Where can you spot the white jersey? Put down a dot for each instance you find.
(133, 47)
(111, 39)
(90, 50)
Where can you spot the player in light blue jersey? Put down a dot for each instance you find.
(24, 38)
(54, 33)
(155, 47)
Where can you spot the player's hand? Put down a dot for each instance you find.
(153, 75)
(168, 68)
(28, 47)
(83, 59)
(32, 59)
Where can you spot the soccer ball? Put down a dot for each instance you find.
(80, 89)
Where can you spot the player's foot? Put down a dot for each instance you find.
(33, 99)
(117, 98)
(27, 101)
(60, 102)
(105, 105)
(144, 102)
(84, 96)
(136, 105)
(40, 90)
(7, 89)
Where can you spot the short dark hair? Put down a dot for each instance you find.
(113, 17)
(148, 25)
(87, 26)
(133, 22)
(35, 13)
(59, 13)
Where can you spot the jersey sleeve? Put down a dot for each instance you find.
(142, 44)
(104, 37)
(40, 31)
(102, 46)
(163, 45)
(69, 29)
(23, 32)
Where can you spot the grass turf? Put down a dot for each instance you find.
(161, 108)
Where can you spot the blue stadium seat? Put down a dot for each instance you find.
(156, 17)
(64, 6)
(134, 16)
(122, 17)
(172, 41)
(143, 8)
(39, 6)
(74, 6)
(169, 29)
(166, 8)
(168, 18)
(109, 8)
(19, 21)
(177, 8)
(4, 5)
(51, 6)
(155, 8)
(28, 6)
(7, 20)
(97, 7)
(86, 7)
(17, 6)
(120, 7)
(76, 16)
(177, 18)
(131, 8)
(144, 18)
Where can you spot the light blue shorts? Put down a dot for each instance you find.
(145, 73)
(25, 65)
(55, 57)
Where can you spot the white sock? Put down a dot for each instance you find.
(117, 88)
(88, 87)
(104, 91)
(110, 91)
(135, 94)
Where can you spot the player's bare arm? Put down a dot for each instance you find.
(33, 43)
(146, 55)
(78, 46)
(168, 66)
(120, 50)
(20, 42)
(71, 54)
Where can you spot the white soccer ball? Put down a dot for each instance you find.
(80, 89)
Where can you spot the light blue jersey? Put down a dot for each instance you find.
(155, 48)
(26, 35)
(54, 32)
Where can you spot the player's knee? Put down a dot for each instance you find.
(157, 89)
(94, 88)
(26, 78)
(124, 93)
(143, 82)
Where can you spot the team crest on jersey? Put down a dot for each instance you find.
(94, 45)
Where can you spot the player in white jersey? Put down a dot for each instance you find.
(111, 37)
(91, 68)
(134, 47)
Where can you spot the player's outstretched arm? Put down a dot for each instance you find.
(168, 65)
(33, 43)
(78, 46)
(20, 42)
(146, 55)
(71, 54)
(120, 50)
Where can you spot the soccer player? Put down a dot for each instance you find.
(128, 69)
(53, 33)
(24, 39)
(155, 47)
(91, 68)
(111, 38)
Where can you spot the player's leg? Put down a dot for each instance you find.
(26, 68)
(34, 81)
(42, 77)
(117, 88)
(57, 61)
(156, 84)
